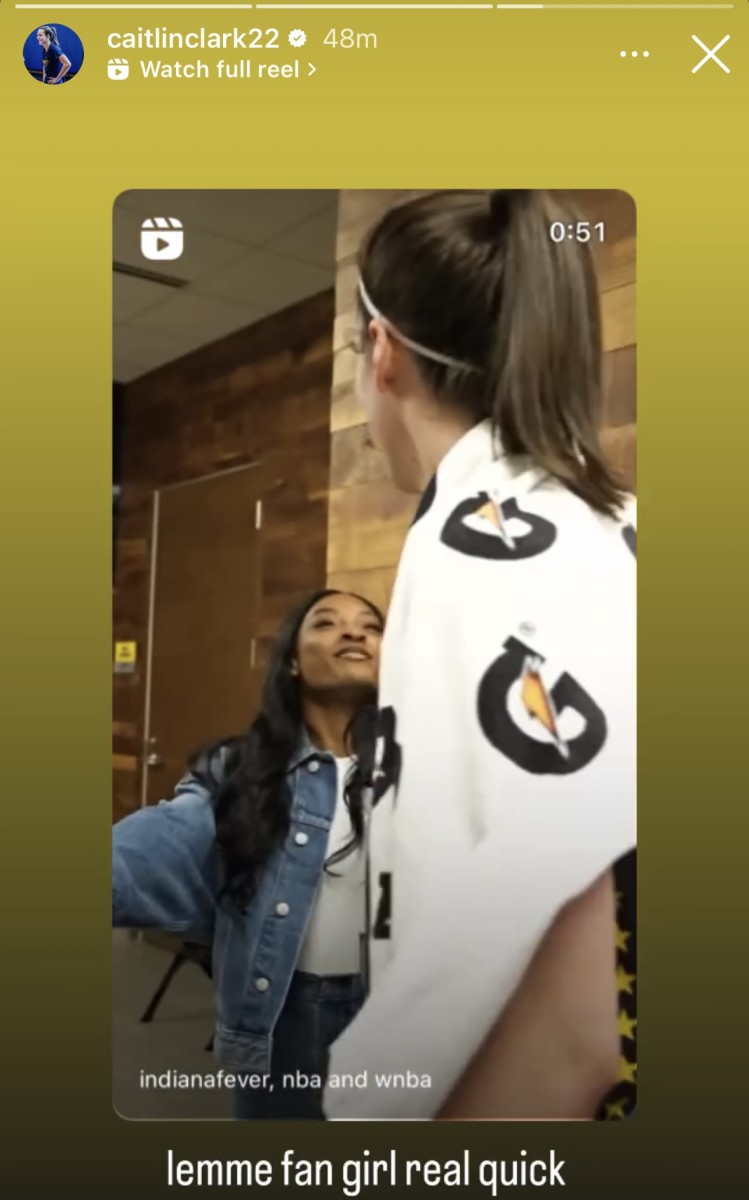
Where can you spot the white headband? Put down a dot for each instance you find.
(417, 348)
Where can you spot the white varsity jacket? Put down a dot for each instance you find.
(507, 764)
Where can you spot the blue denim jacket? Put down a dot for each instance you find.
(166, 875)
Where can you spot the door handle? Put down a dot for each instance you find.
(155, 760)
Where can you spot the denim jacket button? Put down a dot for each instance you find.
(282, 909)
(301, 839)
(262, 985)
(313, 766)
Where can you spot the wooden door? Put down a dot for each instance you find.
(203, 682)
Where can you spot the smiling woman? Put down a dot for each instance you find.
(259, 855)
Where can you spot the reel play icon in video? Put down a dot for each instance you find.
(162, 238)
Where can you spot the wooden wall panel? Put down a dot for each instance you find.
(375, 584)
(619, 372)
(354, 458)
(618, 317)
(262, 394)
(367, 523)
(620, 445)
(367, 518)
(345, 409)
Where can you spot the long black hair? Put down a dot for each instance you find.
(246, 775)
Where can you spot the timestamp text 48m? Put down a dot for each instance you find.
(350, 39)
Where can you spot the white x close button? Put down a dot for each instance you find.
(711, 54)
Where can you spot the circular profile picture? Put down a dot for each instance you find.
(53, 54)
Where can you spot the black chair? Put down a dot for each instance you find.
(189, 952)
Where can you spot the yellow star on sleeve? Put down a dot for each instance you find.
(626, 1070)
(624, 981)
(621, 939)
(615, 1110)
(626, 1026)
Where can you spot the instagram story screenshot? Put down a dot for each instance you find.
(358, 781)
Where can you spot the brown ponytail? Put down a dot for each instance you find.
(478, 278)
(545, 375)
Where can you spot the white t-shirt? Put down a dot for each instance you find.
(332, 944)
(507, 759)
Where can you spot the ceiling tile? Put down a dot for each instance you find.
(313, 241)
(150, 347)
(266, 282)
(196, 319)
(125, 370)
(132, 296)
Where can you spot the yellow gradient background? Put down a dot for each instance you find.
(529, 99)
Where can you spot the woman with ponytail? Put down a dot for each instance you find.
(504, 777)
(259, 854)
(55, 64)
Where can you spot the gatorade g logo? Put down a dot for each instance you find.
(387, 755)
(546, 731)
(480, 527)
(629, 533)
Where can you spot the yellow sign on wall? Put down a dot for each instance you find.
(125, 655)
